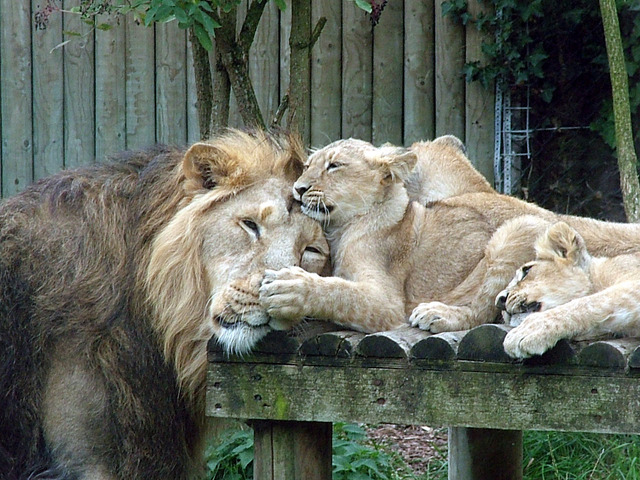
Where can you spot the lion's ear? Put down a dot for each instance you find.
(396, 162)
(204, 165)
(562, 243)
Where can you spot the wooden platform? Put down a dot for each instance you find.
(463, 380)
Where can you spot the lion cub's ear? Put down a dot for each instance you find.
(396, 162)
(452, 141)
(206, 166)
(562, 243)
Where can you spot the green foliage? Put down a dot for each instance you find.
(551, 47)
(232, 457)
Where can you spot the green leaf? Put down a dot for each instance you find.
(281, 4)
(203, 36)
(104, 26)
(364, 5)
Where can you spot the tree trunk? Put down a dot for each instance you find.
(299, 116)
(627, 160)
(204, 86)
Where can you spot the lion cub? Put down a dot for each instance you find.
(567, 293)
(382, 244)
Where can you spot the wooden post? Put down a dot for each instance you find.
(484, 454)
(292, 450)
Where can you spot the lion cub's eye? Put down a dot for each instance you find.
(311, 249)
(250, 227)
(333, 166)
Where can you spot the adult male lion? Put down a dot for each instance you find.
(441, 263)
(112, 280)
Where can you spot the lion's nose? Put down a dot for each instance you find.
(501, 300)
(300, 189)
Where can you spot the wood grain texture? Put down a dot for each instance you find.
(110, 88)
(326, 74)
(79, 93)
(419, 70)
(263, 61)
(388, 70)
(356, 72)
(48, 95)
(16, 97)
(140, 84)
(450, 86)
(171, 84)
(479, 100)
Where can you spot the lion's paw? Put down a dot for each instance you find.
(284, 293)
(532, 337)
(437, 317)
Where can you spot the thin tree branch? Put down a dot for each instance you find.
(250, 25)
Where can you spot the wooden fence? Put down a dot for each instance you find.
(131, 86)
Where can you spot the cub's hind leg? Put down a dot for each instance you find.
(472, 302)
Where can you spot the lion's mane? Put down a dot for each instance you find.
(100, 263)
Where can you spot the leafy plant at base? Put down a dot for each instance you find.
(232, 457)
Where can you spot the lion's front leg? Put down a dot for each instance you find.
(437, 317)
(287, 294)
(537, 333)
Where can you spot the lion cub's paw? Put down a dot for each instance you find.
(284, 293)
(532, 337)
(437, 317)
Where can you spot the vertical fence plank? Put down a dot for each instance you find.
(79, 93)
(263, 62)
(356, 72)
(480, 101)
(326, 74)
(450, 42)
(388, 71)
(171, 84)
(419, 70)
(48, 94)
(140, 85)
(15, 74)
(110, 88)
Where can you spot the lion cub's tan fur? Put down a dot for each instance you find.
(440, 263)
(571, 293)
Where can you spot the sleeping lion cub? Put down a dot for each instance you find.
(571, 294)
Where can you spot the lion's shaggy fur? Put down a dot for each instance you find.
(103, 308)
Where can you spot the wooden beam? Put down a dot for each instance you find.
(291, 451)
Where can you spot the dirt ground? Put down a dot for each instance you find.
(418, 445)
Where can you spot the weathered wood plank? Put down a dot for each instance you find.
(264, 69)
(333, 344)
(285, 54)
(484, 454)
(391, 344)
(48, 94)
(607, 353)
(171, 87)
(110, 88)
(15, 104)
(443, 346)
(419, 70)
(515, 400)
(480, 100)
(326, 74)
(388, 76)
(79, 93)
(484, 343)
(450, 87)
(356, 72)
(140, 85)
(292, 450)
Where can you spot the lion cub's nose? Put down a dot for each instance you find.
(300, 190)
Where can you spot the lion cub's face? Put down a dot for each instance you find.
(349, 177)
(559, 274)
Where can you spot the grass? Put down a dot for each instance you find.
(547, 456)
